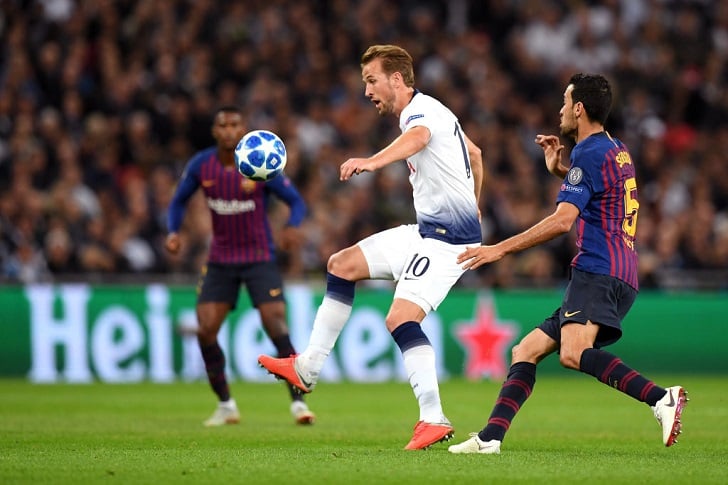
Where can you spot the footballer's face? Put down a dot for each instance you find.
(228, 129)
(567, 114)
(379, 87)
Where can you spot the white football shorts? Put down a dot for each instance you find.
(424, 268)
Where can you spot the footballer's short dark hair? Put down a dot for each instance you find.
(595, 93)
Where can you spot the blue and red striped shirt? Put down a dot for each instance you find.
(241, 232)
(601, 183)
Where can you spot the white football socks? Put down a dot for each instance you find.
(419, 362)
(330, 319)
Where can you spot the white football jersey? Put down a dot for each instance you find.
(440, 174)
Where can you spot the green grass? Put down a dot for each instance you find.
(573, 429)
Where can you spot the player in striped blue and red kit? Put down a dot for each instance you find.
(599, 195)
(241, 252)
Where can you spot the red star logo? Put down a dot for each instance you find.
(486, 341)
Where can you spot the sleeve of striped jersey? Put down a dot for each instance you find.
(284, 189)
(581, 193)
(187, 186)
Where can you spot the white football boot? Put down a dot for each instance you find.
(476, 445)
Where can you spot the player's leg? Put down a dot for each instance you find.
(265, 288)
(418, 356)
(218, 290)
(344, 269)
(516, 388)
(578, 352)
(425, 277)
(667, 403)
(591, 316)
(607, 300)
(365, 260)
(210, 316)
(273, 318)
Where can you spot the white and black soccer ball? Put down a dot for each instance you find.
(260, 155)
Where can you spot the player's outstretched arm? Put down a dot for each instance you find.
(403, 147)
(550, 227)
(552, 150)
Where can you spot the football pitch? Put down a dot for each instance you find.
(572, 430)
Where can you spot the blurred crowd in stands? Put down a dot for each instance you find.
(103, 101)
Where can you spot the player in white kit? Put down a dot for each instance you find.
(446, 173)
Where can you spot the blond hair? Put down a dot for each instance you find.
(394, 59)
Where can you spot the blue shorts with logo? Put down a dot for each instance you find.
(601, 299)
(221, 283)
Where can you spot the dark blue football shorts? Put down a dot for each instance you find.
(601, 299)
(221, 283)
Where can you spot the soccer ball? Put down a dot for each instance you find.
(260, 155)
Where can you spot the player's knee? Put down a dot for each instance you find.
(336, 264)
(391, 323)
(206, 334)
(396, 318)
(272, 311)
(523, 353)
(516, 354)
(569, 358)
(345, 265)
(275, 325)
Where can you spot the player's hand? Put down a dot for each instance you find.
(354, 166)
(172, 243)
(552, 150)
(477, 256)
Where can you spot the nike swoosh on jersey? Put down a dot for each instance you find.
(571, 314)
(275, 291)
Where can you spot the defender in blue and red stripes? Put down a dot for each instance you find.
(598, 195)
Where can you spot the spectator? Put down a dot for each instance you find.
(126, 88)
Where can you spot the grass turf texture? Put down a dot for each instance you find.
(573, 429)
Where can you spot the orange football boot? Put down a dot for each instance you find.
(427, 434)
(285, 368)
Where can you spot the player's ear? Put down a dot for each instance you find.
(397, 76)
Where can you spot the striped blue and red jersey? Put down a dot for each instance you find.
(601, 183)
(241, 231)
